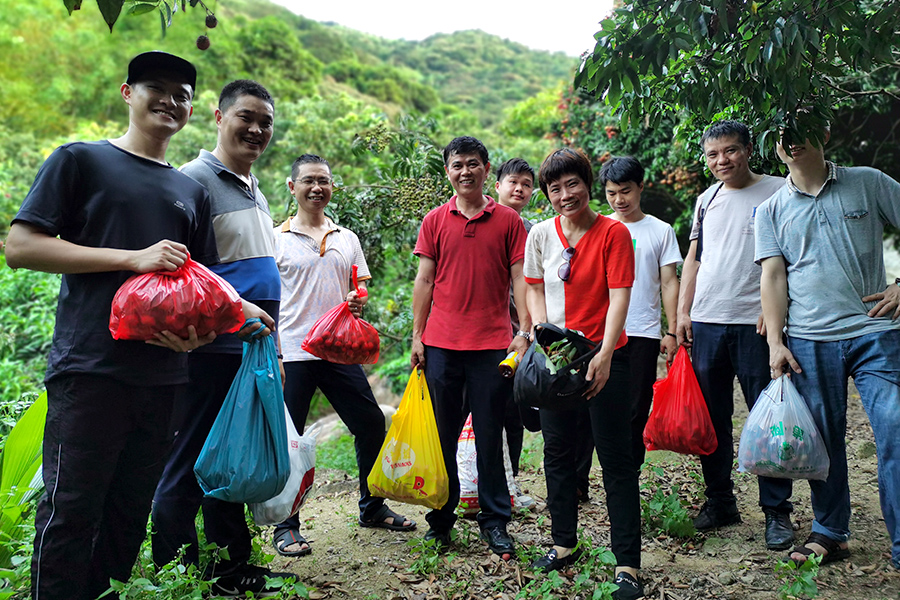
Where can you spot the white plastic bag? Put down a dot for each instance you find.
(780, 438)
(302, 449)
(466, 458)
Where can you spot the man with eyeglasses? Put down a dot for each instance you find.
(720, 319)
(470, 249)
(315, 259)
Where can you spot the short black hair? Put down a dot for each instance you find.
(465, 145)
(565, 161)
(515, 166)
(721, 129)
(622, 169)
(243, 87)
(305, 159)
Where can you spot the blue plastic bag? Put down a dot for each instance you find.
(245, 458)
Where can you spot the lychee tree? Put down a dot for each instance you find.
(111, 10)
(759, 61)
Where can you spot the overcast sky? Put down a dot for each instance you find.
(567, 27)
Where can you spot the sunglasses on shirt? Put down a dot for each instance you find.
(565, 269)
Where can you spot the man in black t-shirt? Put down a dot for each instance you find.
(97, 213)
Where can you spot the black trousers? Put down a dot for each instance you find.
(178, 496)
(348, 391)
(644, 354)
(610, 417)
(515, 432)
(461, 381)
(105, 445)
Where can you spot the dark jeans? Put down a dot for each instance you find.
(644, 354)
(178, 496)
(610, 415)
(873, 360)
(104, 447)
(515, 432)
(720, 352)
(348, 391)
(461, 381)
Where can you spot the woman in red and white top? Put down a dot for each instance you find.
(580, 268)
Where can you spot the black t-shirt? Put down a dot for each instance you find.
(96, 194)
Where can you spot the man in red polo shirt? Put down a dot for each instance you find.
(470, 250)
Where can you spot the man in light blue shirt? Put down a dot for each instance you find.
(819, 241)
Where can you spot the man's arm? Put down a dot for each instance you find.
(31, 248)
(668, 280)
(774, 297)
(686, 296)
(520, 344)
(888, 300)
(355, 302)
(423, 292)
(599, 367)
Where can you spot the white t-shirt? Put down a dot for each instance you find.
(314, 279)
(727, 291)
(655, 246)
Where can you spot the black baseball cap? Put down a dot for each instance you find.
(161, 61)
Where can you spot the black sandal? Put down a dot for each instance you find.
(384, 513)
(285, 538)
(833, 550)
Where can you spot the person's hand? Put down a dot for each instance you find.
(761, 325)
(164, 255)
(668, 346)
(355, 302)
(888, 300)
(597, 374)
(518, 344)
(417, 353)
(255, 330)
(684, 331)
(779, 359)
(167, 339)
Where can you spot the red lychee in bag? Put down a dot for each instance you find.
(341, 337)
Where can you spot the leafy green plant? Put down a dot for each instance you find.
(664, 510)
(20, 481)
(798, 581)
(428, 559)
(543, 589)
(338, 453)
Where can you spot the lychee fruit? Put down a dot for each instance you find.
(203, 42)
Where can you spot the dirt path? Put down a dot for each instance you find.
(733, 563)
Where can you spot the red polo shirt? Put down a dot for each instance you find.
(470, 303)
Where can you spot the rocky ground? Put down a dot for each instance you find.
(732, 563)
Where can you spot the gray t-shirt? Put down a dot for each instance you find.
(727, 291)
(833, 251)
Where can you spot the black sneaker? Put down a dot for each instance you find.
(498, 540)
(629, 587)
(712, 517)
(552, 562)
(249, 578)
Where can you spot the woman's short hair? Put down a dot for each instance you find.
(563, 162)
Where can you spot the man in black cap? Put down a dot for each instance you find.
(98, 212)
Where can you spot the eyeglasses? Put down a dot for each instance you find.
(309, 181)
(565, 269)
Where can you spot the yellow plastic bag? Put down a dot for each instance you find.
(411, 468)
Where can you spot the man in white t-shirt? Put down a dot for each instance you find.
(315, 258)
(720, 319)
(656, 256)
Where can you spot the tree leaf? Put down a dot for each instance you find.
(110, 9)
(72, 5)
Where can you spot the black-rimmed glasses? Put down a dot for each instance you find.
(565, 269)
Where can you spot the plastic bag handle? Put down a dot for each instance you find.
(362, 293)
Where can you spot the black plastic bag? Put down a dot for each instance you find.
(536, 383)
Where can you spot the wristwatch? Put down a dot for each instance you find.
(897, 282)
(524, 334)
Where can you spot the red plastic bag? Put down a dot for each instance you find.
(341, 337)
(680, 419)
(171, 300)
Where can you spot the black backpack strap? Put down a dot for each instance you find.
(701, 214)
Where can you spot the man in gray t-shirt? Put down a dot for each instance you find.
(819, 243)
(719, 318)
